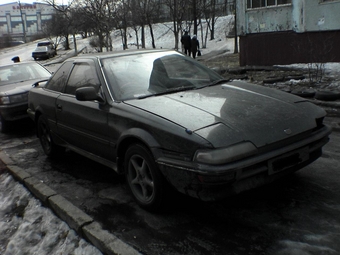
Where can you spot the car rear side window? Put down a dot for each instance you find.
(58, 81)
(82, 75)
(44, 44)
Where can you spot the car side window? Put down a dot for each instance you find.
(82, 75)
(58, 81)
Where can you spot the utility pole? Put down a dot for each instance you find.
(235, 28)
(22, 22)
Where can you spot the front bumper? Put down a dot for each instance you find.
(14, 112)
(210, 183)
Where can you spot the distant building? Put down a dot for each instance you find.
(33, 16)
(288, 31)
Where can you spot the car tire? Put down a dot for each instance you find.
(294, 77)
(307, 93)
(327, 95)
(144, 179)
(4, 125)
(44, 133)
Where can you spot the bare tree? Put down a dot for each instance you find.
(56, 28)
(123, 19)
(177, 10)
(100, 13)
(145, 12)
(102, 16)
(65, 12)
(212, 10)
(317, 48)
(138, 19)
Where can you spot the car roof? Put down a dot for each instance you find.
(20, 63)
(103, 55)
(45, 43)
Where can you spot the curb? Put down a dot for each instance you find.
(75, 218)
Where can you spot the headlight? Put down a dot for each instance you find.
(4, 100)
(225, 155)
(14, 99)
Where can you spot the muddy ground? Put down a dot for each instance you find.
(288, 78)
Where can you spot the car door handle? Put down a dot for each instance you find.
(59, 107)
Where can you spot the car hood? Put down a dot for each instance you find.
(19, 87)
(235, 112)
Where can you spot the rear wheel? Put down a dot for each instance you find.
(46, 141)
(144, 179)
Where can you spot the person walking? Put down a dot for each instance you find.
(195, 46)
(186, 42)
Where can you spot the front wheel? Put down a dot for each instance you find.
(46, 141)
(144, 179)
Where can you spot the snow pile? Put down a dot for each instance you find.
(26, 227)
(164, 37)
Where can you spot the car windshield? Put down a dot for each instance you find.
(22, 72)
(156, 73)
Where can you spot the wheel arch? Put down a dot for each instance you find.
(135, 136)
(37, 115)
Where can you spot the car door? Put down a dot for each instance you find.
(52, 91)
(83, 124)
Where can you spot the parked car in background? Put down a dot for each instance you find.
(165, 120)
(44, 50)
(15, 82)
(45, 43)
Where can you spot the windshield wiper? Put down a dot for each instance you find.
(168, 91)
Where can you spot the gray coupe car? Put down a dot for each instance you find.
(15, 82)
(166, 121)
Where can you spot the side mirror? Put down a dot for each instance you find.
(88, 94)
(36, 84)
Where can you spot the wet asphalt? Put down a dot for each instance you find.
(299, 214)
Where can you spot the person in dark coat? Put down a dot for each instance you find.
(16, 59)
(195, 46)
(186, 42)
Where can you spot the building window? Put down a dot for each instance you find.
(267, 3)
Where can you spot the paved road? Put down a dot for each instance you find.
(300, 214)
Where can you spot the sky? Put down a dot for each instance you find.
(22, 1)
(30, 1)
